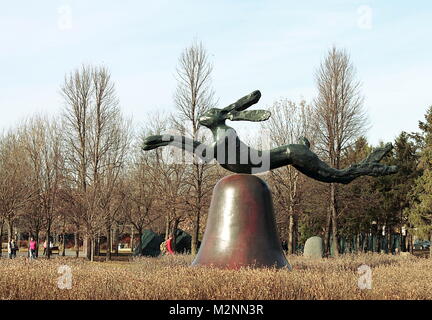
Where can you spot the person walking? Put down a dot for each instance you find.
(32, 248)
(169, 244)
(14, 248)
(166, 246)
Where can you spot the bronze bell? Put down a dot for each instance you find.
(241, 229)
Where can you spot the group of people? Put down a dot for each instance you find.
(13, 248)
(33, 246)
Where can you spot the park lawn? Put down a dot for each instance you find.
(171, 277)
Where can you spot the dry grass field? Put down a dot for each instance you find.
(393, 277)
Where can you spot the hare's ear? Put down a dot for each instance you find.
(244, 102)
(252, 115)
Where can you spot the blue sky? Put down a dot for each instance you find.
(273, 46)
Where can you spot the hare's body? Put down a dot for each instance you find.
(236, 156)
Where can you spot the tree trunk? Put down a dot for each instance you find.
(64, 243)
(116, 236)
(380, 240)
(400, 245)
(173, 233)
(92, 247)
(333, 210)
(403, 243)
(36, 235)
(356, 243)
(167, 227)
(1, 239)
(76, 244)
(327, 235)
(97, 245)
(10, 231)
(140, 233)
(131, 239)
(48, 235)
(411, 243)
(108, 250)
(195, 234)
(296, 233)
(430, 248)
(88, 244)
(291, 231)
(389, 242)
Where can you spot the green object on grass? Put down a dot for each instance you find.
(151, 241)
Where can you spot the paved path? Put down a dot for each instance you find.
(22, 253)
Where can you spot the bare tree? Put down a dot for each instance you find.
(141, 197)
(71, 206)
(77, 93)
(98, 139)
(16, 186)
(42, 143)
(167, 177)
(289, 123)
(193, 97)
(340, 120)
(109, 144)
(32, 220)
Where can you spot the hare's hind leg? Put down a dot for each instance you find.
(181, 142)
(280, 156)
(153, 142)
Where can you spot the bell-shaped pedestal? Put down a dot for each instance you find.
(241, 229)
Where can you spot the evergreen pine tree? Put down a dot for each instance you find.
(420, 212)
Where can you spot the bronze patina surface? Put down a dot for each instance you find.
(241, 229)
(236, 156)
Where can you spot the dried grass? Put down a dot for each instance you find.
(394, 277)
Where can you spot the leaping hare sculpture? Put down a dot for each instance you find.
(236, 156)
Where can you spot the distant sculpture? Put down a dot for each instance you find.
(241, 229)
(314, 248)
(236, 156)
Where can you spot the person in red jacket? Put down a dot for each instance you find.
(169, 245)
(32, 248)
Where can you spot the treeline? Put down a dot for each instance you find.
(83, 171)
